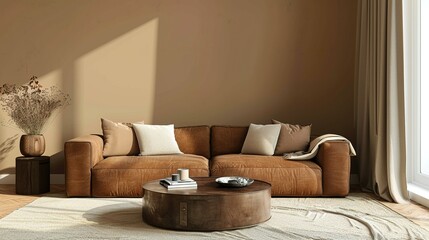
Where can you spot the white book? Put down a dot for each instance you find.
(170, 182)
(170, 187)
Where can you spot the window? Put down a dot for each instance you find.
(416, 59)
(424, 89)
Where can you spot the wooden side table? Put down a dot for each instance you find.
(32, 175)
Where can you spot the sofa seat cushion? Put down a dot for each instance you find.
(123, 176)
(288, 178)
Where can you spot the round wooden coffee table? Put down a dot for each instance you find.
(208, 208)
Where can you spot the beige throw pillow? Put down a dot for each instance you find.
(261, 139)
(119, 139)
(293, 138)
(156, 139)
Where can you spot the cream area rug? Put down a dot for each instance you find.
(354, 217)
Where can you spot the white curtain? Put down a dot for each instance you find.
(380, 112)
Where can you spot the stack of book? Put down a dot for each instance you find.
(180, 184)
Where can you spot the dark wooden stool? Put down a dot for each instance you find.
(32, 175)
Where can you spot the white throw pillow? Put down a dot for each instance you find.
(156, 139)
(261, 139)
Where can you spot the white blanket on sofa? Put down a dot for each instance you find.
(314, 147)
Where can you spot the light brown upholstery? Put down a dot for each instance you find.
(334, 159)
(288, 178)
(227, 139)
(81, 155)
(194, 140)
(87, 174)
(124, 176)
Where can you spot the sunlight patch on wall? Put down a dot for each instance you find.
(116, 80)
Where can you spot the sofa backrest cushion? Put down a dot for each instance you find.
(194, 140)
(227, 139)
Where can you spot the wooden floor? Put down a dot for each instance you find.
(9, 202)
(413, 211)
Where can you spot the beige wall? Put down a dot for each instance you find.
(183, 62)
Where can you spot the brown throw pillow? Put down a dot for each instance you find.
(292, 138)
(119, 139)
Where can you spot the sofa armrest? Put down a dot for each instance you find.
(81, 154)
(334, 159)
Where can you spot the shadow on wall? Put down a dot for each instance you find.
(8, 171)
(7, 146)
(189, 63)
(57, 163)
(72, 45)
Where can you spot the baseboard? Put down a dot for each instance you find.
(419, 194)
(10, 179)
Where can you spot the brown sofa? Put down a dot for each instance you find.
(89, 174)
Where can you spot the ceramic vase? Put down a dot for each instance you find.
(32, 145)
